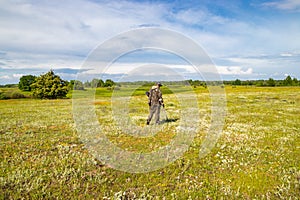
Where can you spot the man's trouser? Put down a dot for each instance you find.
(154, 109)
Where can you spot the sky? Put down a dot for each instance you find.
(244, 39)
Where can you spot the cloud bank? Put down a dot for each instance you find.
(254, 40)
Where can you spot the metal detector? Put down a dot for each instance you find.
(163, 108)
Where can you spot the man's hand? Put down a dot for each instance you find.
(161, 102)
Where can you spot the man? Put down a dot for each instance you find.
(155, 101)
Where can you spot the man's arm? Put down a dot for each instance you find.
(160, 99)
(150, 97)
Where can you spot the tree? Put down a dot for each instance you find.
(87, 84)
(288, 81)
(261, 83)
(97, 83)
(295, 82)
(49, 86)
(190, 82)
(237, 82)
(271, 82)
(100, 83)
(76, 85)
(25, 82)
(109, 83)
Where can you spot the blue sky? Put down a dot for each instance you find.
(245, 39)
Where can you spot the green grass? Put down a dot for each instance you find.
(13, 93)
(256, 157)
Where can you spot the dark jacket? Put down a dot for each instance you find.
(155, 96)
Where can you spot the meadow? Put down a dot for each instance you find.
(256, 156)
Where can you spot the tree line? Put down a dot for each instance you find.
(288, 81)
(51, 86)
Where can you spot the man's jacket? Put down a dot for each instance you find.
(155, 96)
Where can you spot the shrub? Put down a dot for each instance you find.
(11, 94)
(49, 86)
(2, 95)
(25, 82)
(75, 85)
(17, 95)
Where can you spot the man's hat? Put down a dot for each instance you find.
(159, 83)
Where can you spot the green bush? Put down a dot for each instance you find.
(11, 94)
(17, 95)
(2, 95)
(75, 85)
(25, 82)
(49, 86)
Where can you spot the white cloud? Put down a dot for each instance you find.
(4, 77)
(286, 54)
(199, 17)
(144, 68)
(60, 34)
(285, 5)
(18, 75)
(234, 70)
(249, 62)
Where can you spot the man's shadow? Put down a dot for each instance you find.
(169, 120)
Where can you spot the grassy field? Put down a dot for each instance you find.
(256, 157)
